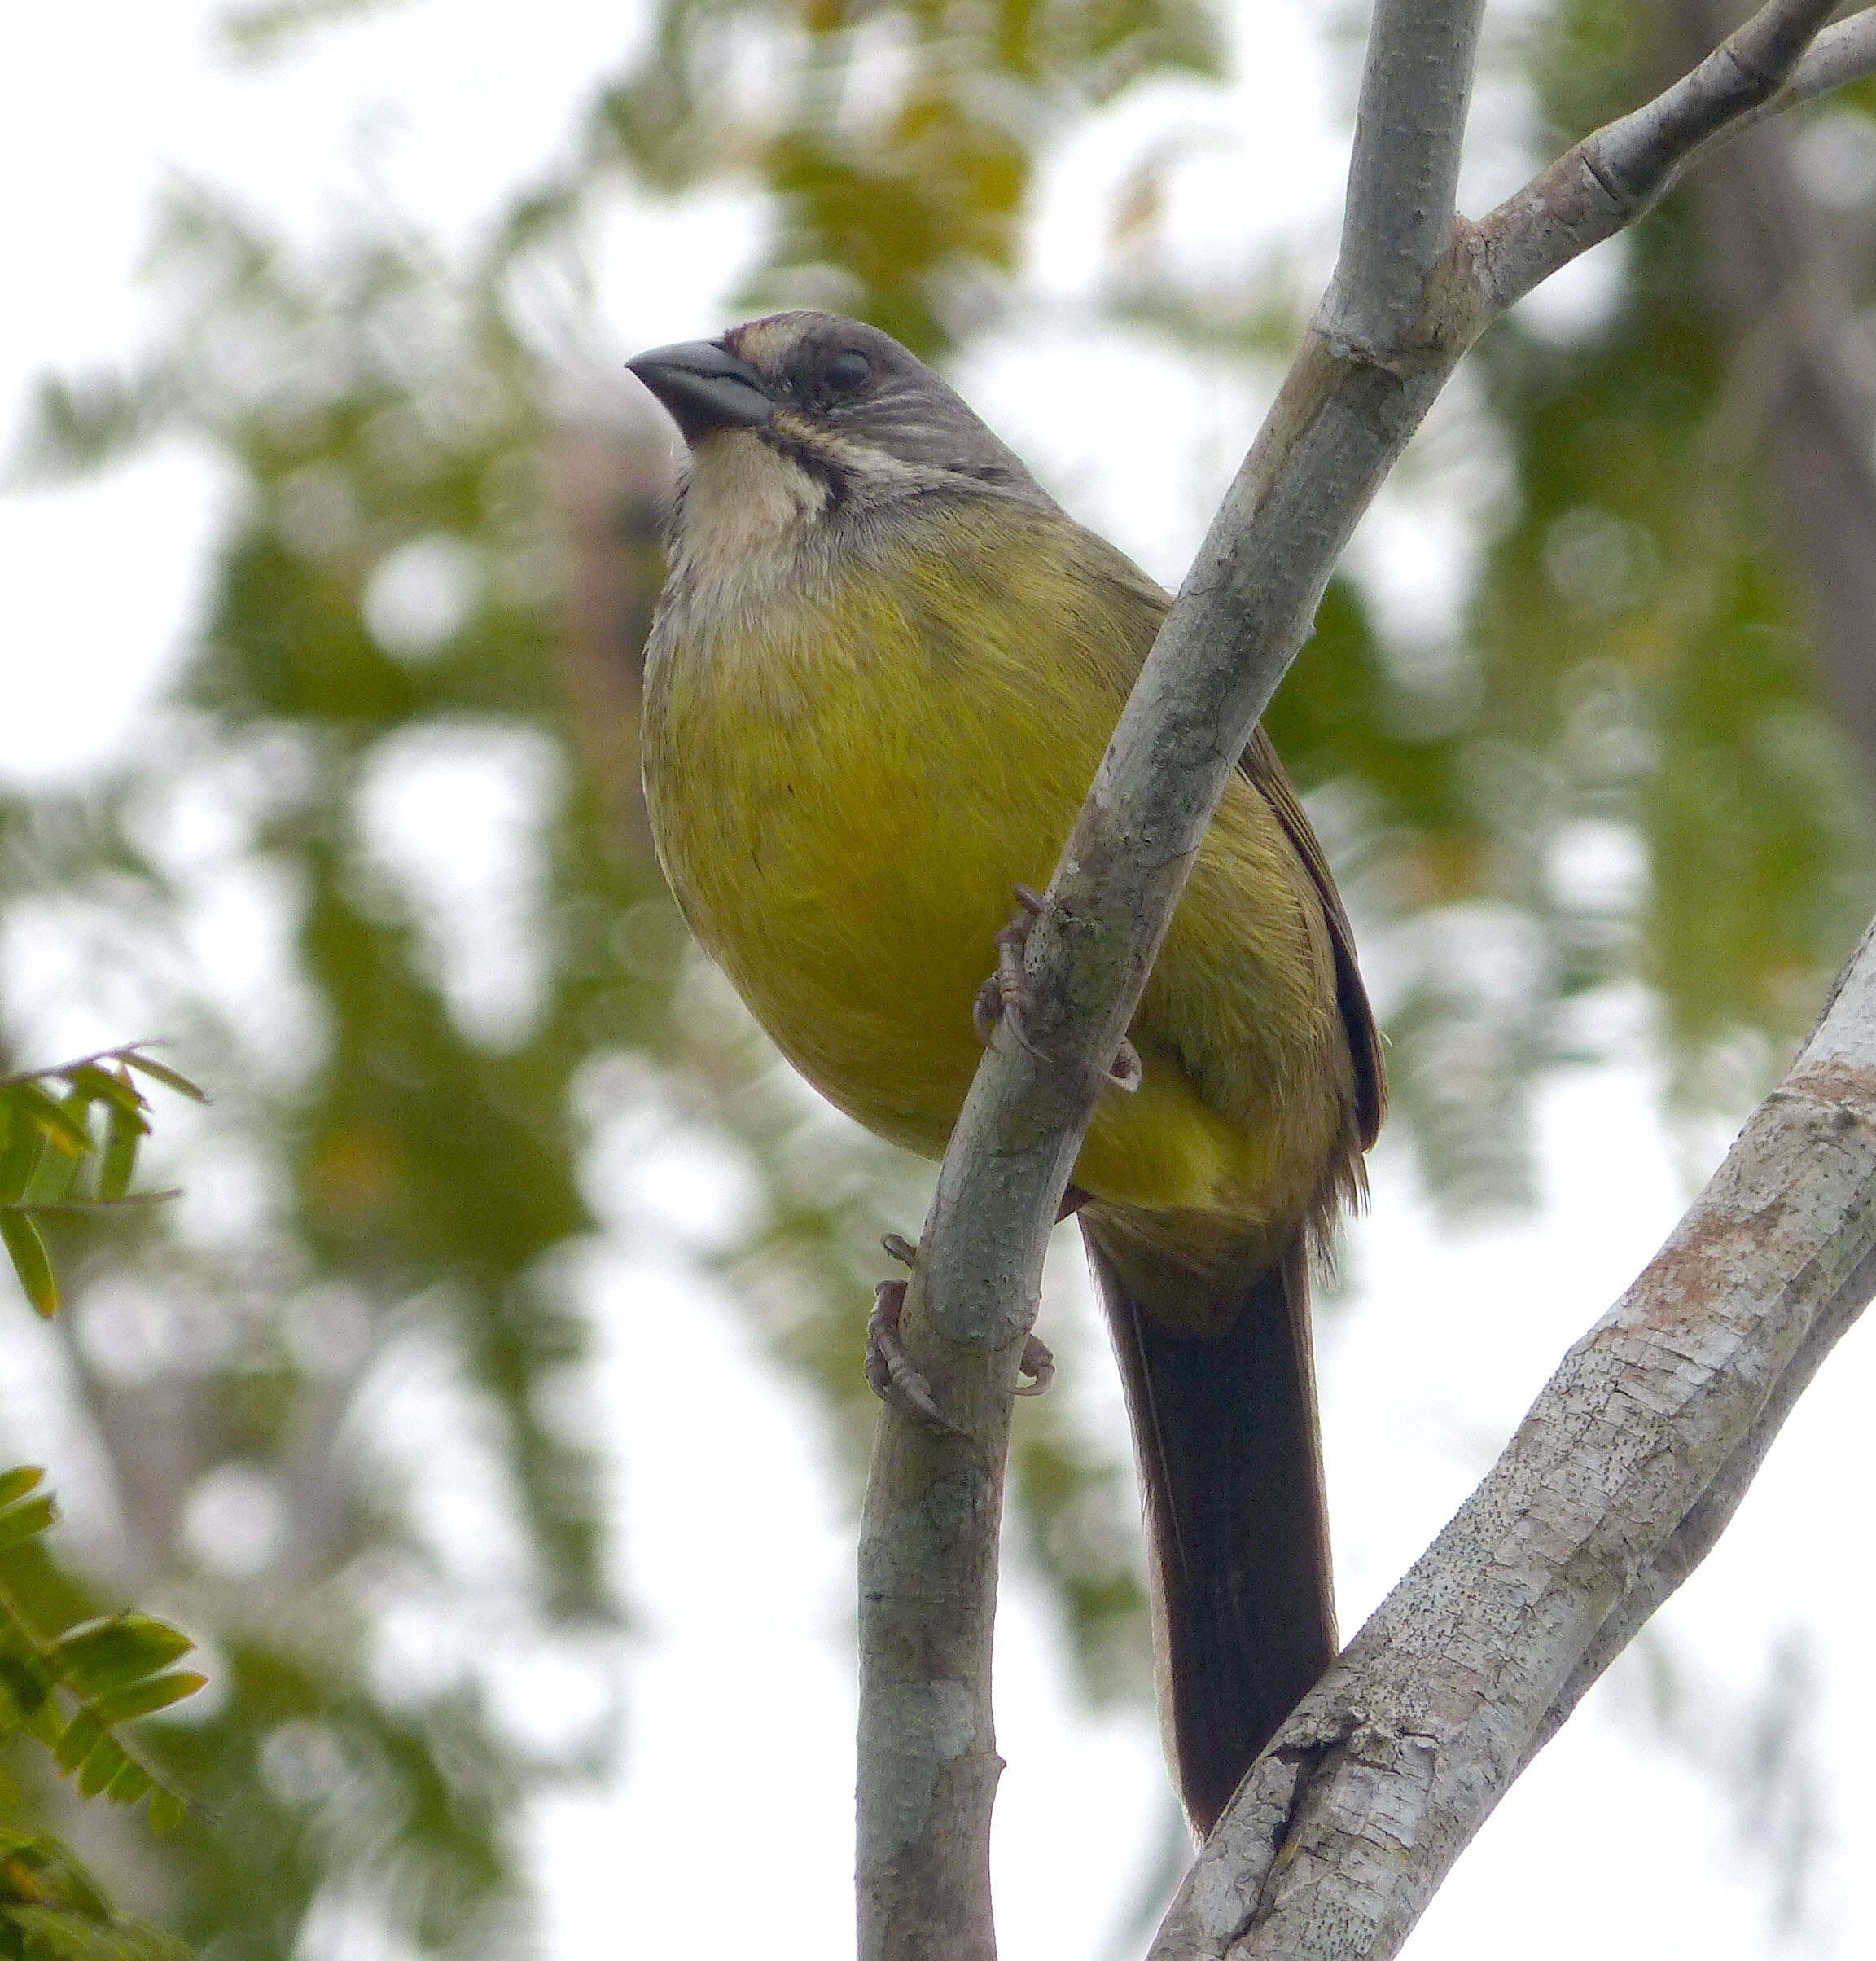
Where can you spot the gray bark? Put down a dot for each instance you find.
(1616, 1484)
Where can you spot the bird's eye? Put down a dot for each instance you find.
(845, 372)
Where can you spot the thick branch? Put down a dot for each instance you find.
(1697, 1533)
(1616, 1483)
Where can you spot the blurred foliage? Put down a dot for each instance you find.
(1611, 816)
(71, 1692)
(65, 1159)
(52, 1909)
(59, 1159)
(897, 143)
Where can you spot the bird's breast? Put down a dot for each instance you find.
(844, 784)
(842, 815)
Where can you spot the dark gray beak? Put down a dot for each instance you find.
(705, 387)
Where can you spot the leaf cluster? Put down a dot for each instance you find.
(52, 1909)
(71, 1156)
(73, 1692)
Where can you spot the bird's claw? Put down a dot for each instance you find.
(889, 1369)
(1038, 1364)
(1127, 1070)
(1007, 996)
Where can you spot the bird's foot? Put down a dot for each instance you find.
(1007, 996)
(1127, 1068)
(889, 1369)
(1038, 1364)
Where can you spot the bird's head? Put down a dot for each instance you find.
(804, 418)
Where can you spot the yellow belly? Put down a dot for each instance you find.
(844, 795)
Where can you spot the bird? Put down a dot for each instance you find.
(881, 672)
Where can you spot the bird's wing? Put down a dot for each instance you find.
(1143, 605)
(1260, 763)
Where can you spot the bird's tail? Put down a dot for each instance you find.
(1224, 1432)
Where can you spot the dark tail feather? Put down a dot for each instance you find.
(1231, 1469)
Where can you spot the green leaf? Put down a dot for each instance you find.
(31, 1262)
(25, 1142)
(167, 1810)
(28, 1684)
(161, 1072)
(145, 1698)
(79, 1737)
(124, 1130)
(96, 1085)
(58, 1124)
(16, 1483)
(103, 1763)
(57, 1171)
(110, 1655)
(63, 1933)
(19, 1523)
(130, 1783)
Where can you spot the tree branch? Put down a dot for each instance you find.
(1844, 53)
(1612, 178)
(934, 1501)
(1413, 288)
(1696, 1535)
(1616, 1484)
(1397, 222)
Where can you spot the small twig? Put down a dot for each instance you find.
(129, 1053)
(1612, 177)
(1845, 52)
(20, 1077)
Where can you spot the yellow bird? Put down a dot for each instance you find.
(883, 670)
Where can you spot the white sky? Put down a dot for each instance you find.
(739, 1680)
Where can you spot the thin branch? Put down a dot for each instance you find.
(1617, 1481)
(928, 1766)
(78, 1209)
(1612, 178)
(1842, 54)
(1397, 222)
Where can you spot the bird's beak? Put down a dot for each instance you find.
(705, 387)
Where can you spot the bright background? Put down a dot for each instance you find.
(730, 1533)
